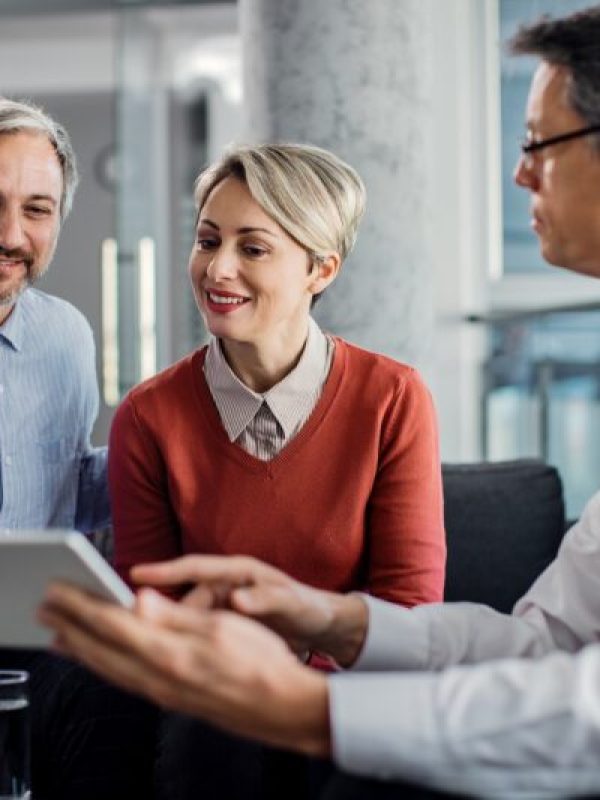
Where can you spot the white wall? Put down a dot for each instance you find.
(462, 197)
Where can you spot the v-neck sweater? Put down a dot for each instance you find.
(353, 501)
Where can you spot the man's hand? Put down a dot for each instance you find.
(216, 665)
(308, 619)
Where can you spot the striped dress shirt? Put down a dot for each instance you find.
(50, 476)
(262, 424)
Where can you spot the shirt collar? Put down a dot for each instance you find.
(290, 400)
(236, 403)
(13, 329)
(293, 398)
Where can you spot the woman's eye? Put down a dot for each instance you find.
(205, 244)
(254, 251)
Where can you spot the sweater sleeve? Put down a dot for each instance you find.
(145, 526)
(407, 548)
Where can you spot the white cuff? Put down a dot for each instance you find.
(395, 639)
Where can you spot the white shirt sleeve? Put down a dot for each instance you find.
(560, 611)
(526, 727)
(565, 599)
(513, 728)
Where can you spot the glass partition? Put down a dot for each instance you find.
(178, 103)
(150, 92)
(541, 393)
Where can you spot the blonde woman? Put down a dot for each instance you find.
(278, 440)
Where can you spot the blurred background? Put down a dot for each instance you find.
(419, 96)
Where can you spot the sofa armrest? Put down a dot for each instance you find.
(504, 524)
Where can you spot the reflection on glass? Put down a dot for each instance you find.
(542, 396)
(110, 323)
(147, 307)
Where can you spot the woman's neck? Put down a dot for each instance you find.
(260, 366)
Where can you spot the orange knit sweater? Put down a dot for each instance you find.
(353, 501)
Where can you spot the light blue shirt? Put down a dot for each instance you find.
(50, 476)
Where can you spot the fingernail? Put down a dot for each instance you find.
(150, 600)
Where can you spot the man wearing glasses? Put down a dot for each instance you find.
(427, 698)
(560, 162)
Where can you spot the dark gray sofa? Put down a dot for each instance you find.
(504, 523)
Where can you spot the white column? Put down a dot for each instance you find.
(355, 77)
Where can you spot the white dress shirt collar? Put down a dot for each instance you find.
(291, 400)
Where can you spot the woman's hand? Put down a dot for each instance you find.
(214, 664)
(308, 619)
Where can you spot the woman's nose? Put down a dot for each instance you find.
(222, 265)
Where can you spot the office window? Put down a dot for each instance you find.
(520, 247)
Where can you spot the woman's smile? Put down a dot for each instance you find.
(220, 302)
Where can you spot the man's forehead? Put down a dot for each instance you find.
(549, 95)
(29, 161)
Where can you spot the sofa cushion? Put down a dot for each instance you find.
(504, 523)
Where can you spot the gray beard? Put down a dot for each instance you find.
(10, 298)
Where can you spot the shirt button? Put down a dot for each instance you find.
(1, 389)
(8, 460)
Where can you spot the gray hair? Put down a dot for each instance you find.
(313, 195)
(23, 116)
(572, 42)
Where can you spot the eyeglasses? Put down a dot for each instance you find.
(529, 148)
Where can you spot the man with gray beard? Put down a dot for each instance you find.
(50, 476)
(89, 740)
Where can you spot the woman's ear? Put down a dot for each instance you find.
(324, 271)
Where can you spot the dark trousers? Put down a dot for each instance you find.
(89, 740)
(199, 762)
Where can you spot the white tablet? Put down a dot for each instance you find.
(29, 561)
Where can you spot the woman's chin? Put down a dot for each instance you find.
(226, 329)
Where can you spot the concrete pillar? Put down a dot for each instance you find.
(355, 77)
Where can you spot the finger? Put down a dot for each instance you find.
(106, 621)
(139, 659)
(117, 664)
(201, 597)
(78, 604)
(118, 626)
(102, 656)
(215, 595)
(263, 601)
(176, 617)
(152, 606)
(194, 569)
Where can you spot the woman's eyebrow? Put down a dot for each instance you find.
(251, 229)
(210, 223)
(245, 229)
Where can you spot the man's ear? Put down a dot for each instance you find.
(324, 271)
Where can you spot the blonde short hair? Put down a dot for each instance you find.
(313, 195)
